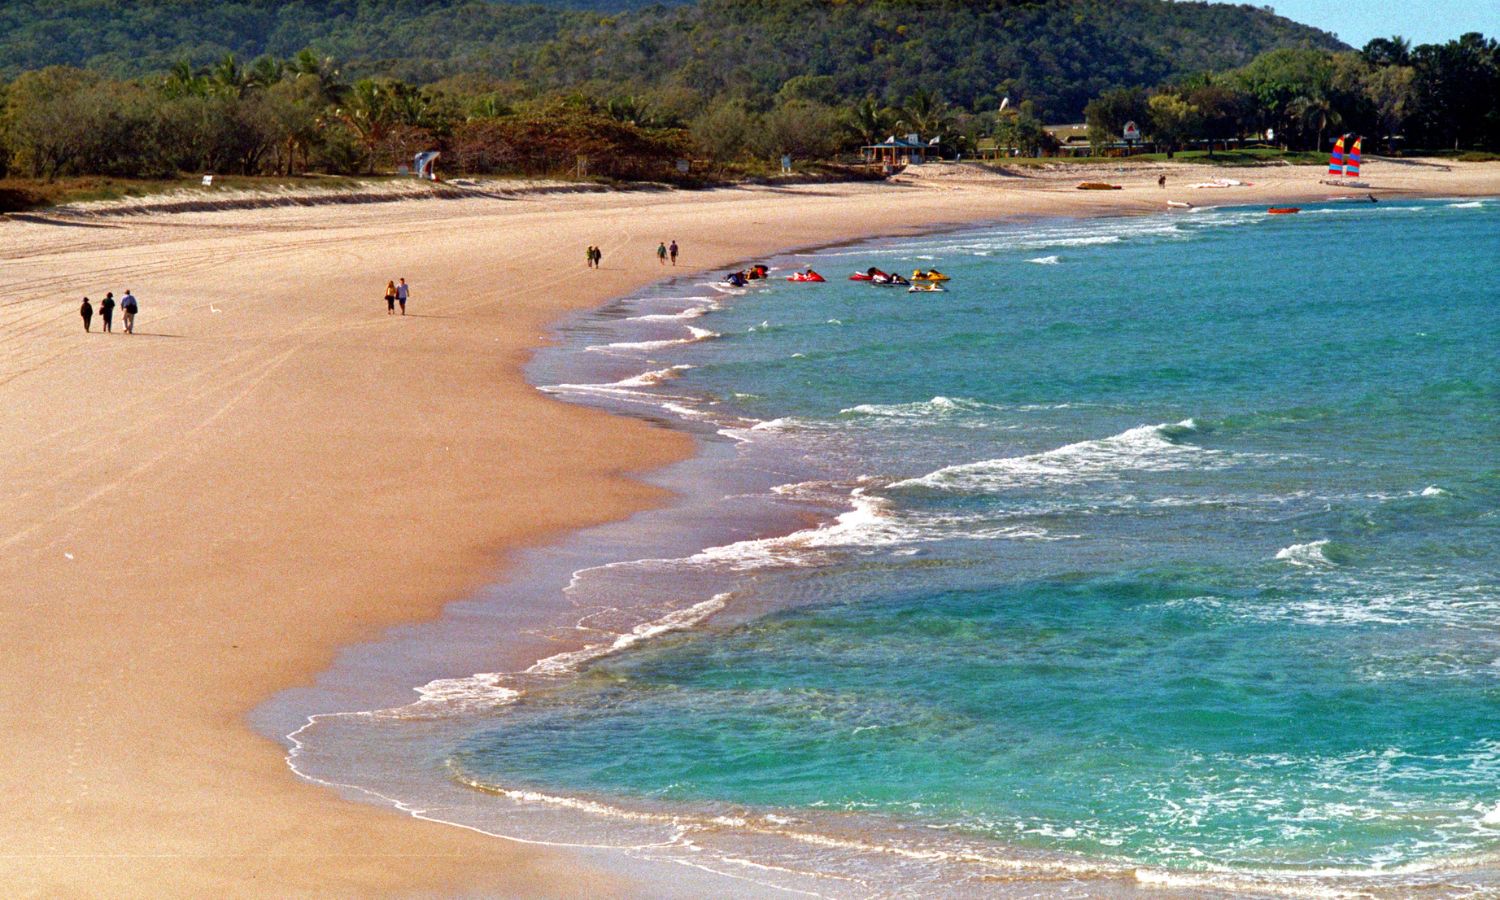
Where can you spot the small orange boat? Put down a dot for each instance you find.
(1283, 210)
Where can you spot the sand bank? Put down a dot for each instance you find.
(199, 515)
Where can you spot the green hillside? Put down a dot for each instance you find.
(1058, 53)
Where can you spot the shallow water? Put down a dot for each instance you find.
(1166, 542)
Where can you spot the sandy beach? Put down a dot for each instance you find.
(198, 516)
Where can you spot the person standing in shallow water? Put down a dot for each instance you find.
(107, 311)
(87, 311)
(390, 298)
(402, 292)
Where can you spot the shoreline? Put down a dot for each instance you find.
(603, 818)
(150, 620)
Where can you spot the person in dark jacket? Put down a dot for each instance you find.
(129, 307)
(107, 310)
(87, 311)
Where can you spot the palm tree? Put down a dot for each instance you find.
(629, 110)
(307, 65)
(367, 112)
(1317, 111)
(926, 114)
(227, 77)
(868, 121)
(264, 72)
(182, 81)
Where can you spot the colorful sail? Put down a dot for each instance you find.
(1351, 164)
(1336, 161)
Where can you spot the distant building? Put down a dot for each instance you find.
(1072, 140)
(900, 151)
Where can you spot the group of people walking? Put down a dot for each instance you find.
(394, 294)
(665, 253)
(129, 306)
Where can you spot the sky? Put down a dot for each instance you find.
(1420, 21)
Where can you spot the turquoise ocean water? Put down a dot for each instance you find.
(1167, 544)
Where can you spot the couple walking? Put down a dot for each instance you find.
(663, 251)
(128, 307)
(396, 293)
(594, 255)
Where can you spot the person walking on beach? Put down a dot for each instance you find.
(107, 310)
(1162, 181)
(402, 292)
(129, 307)
(87, 311)
(661, 254)
(672, 251)
(588, 256)
(598, 258)
(390, 298)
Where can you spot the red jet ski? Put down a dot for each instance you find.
(870, 274)
(809, 275)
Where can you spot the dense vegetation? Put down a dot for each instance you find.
(1433, 96)
(727, 84)
(1056, 53)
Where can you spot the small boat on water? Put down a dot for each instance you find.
(1099, 186)
(929, 288)
(1283, 210)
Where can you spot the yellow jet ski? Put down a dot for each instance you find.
(931, 276)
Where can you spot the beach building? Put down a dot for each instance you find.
(900, 151)
(1072, 139)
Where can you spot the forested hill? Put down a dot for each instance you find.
(1057, 53)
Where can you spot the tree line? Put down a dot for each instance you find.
(1434, 96)
(302, 114)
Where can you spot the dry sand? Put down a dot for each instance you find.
(197, 516)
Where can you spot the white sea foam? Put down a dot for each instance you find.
(691, 312)
(455, 696)
(921, 409)
(781, 424)
(873, 523)
(1046, 260)
(1433, 490)
(1471, 204)
(565, 663)
(694, 336)
(1145, 448)
(1308, 556)
(645, 379)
